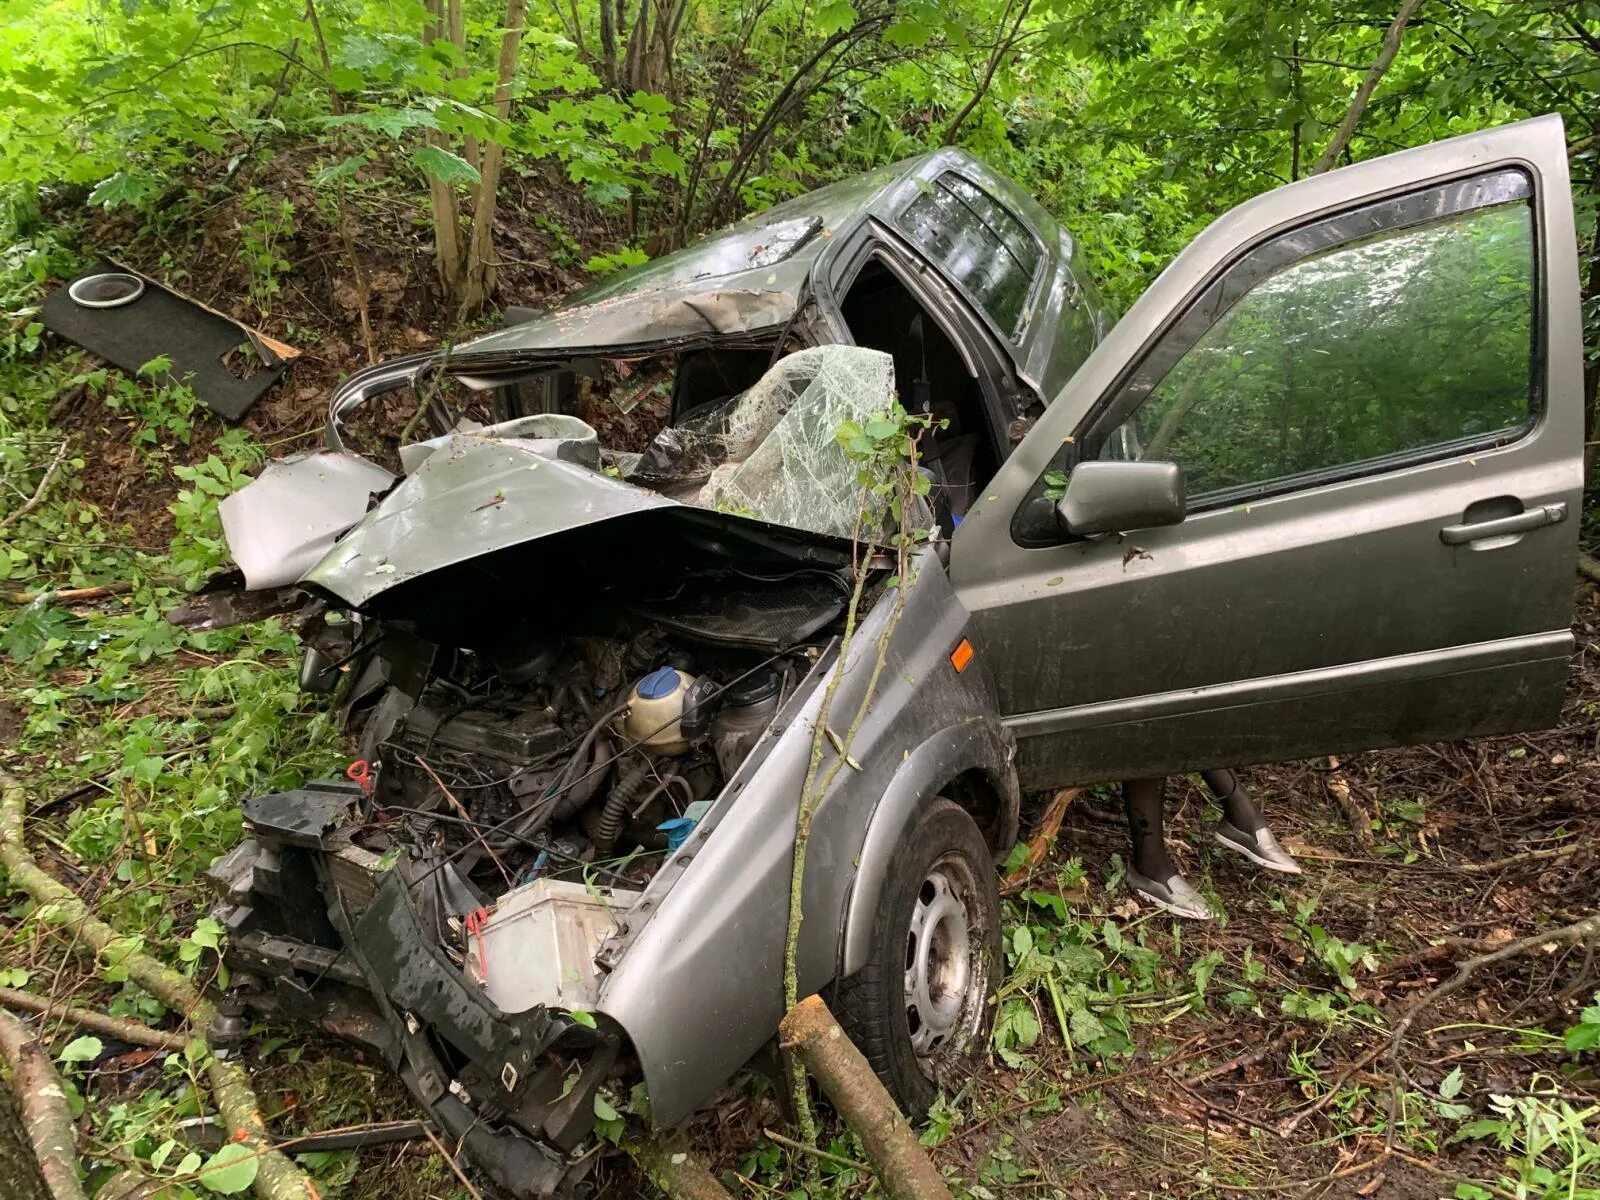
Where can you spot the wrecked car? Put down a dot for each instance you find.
(1316, 492)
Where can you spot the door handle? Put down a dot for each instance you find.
(1528, 518)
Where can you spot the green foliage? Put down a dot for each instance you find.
(269, 223)
(1585, 1035)
(1550, 1145)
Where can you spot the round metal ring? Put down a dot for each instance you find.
(944, 979)
(109, 289)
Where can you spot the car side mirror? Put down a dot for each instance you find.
(1113, 497)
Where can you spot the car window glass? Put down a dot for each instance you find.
(983, 246)
(1393, 343)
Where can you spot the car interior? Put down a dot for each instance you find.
(932, 378)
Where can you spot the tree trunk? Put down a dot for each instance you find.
(278, 1178)
(676, 1172)
(1591, 366)
(478, 283)
(441, 195)
(45, 1115)
(19, 1169)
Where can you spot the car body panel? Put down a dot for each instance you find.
(696, 976)
(1178, 648)
(287, 519)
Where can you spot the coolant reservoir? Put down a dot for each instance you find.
(655, 706)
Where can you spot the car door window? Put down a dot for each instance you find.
(983, 246)
(1415, 337)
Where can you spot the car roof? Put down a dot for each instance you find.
(746, 277)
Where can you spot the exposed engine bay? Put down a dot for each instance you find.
(579, 684)
(583, 760)
(509, 805)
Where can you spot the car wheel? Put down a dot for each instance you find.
(920, 1009)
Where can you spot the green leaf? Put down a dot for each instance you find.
(1022, 942)
(444, 166)
(343, 169)
(603, 1109)
(1450, 1086)
(835, 15)
(1582, 1037)
(81, 1049)
(582, 1018)
(189, 1164)
(231, 1169)
(1085, 1027)
(123, 188)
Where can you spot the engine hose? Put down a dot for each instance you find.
(570, 802)
(633, 776)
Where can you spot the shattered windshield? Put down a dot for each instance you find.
(772, 452)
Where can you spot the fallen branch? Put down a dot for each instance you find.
(44, 1108)
(1516, 860)
(1247, 1059)
(677, 1173)
(124, 1030)
(904, 1168)
(70, 595)
(1566, 935)
(277, 1177)
(1039, 843)
(33, 501)
(815, 1152)
(1589, 567)
(1354, 815)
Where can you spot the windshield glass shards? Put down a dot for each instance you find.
(773, 452)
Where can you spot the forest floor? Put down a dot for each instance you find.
(1136, 1055)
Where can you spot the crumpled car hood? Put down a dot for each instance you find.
(473, 496)
(477, 495)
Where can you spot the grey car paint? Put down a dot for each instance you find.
(473, 495)
(695, 976)
(290, 515)
(1333, 616)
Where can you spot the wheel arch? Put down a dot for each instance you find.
(970, 764)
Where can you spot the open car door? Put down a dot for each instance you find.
(1371, 381)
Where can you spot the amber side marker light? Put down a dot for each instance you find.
(961, 655)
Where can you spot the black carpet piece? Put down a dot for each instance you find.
(207, 351)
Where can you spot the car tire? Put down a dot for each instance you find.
(920, 1010)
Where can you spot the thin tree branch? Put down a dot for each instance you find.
(1375, 74)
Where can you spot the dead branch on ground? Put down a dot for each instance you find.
(1039, 843)
(82, 1018)
(676, 1172)
(70, 595)
(1355, 816)
(33, 501)
(904, 1168)
(277, 1177)
(44, 1108)
(1566, 935)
